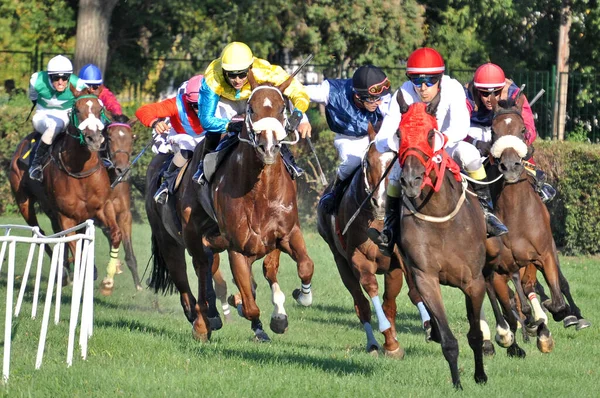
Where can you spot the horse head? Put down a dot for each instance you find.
(120, 142)
(508, 137)
(374, 165)
(87, 119)
(419, 142)
(265, 120)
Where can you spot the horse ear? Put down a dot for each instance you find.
(283, 86)
(433, 105)
(402, 102)
(252, 80)
(371, 132)
(520, 101)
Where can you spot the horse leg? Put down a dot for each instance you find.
(474, 294)
(545, 341)
(581, 322)
(107, 217)
(279, 318)
(296, 248)
(240, 268)
(201, 263)
(392, 287)
(220, 287)
(429, 287)
(550, 270)
(417, 300)
(124, 222)
(500, 287)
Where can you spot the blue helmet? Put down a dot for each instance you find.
(90, 74)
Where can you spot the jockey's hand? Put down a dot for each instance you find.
(235, 127)
(161, 127)
(304, 129)
(530, 150)
(483, 147)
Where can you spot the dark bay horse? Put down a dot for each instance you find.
(443, 230)
(529, 245)
(120, 147)
(358, 259)
(76, 186)
(253, 200)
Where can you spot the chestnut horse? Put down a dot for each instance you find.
(253, 201)
(529, 245)
(120, 147)
(443, 234)
(76, 186)
(358, 259)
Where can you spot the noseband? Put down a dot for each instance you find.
(79, 127)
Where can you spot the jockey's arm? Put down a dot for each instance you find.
(111, 103)
(459, 119)
(150, 115)
(527, 114)
(206, 111)
(33, 94)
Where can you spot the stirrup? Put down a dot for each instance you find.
(547, 192)
(382, 240)
(162, 195)
(36, 174)
(108, 163)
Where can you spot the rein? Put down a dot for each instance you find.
(63, 166)
(425, 217)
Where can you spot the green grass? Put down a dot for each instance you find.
(142, 345)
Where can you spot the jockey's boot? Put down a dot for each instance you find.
(386, 239)
(211, 141)
(330, 200)
(495, 227)
(545, 190)
(37, 164)
(162, 194)
(290, 163)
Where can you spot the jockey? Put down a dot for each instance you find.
(184, 131)
(225, 92)
(50, 93)
(92, 76)
(425, 70)
(489, 79)
(350, 105)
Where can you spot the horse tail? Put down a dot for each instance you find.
(160, 279)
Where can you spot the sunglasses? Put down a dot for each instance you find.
(377, 89)
(94, 86)
(371, 99)
(428, 80)
(240, 74)
(194, 106)
(63, 77)
(486, 93)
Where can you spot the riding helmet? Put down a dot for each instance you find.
(90, 74)
(489, 77)
(192, 89)
(425, 61)
(370, 80)
(236, 57)
(59, 65)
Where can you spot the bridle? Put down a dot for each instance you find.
(113, 153)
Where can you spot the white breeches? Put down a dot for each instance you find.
(49, 123)
(174, 143)
(351, 151)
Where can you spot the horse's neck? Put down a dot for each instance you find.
(443, 202)
(515, 195)
(252, 171)
(74, 154)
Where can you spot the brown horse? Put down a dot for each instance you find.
(529, 245)
(358, 259)
(443, 234)
(253, 200)
(76, 186)
(120, 148)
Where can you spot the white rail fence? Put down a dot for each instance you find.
(82, 301)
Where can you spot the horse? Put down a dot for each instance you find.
(76, 185)
(120, 148)
(252, 198)
(529, 245)
(358, 259)
(443, 233)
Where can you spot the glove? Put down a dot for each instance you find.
(294, 120)
(34, 102)
(235, 127)
(483, 147)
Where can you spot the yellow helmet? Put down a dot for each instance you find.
(236, 56)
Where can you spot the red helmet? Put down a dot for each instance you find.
(489, 77)
(192, 88)
(425, 61)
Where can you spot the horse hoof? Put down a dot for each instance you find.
(279, 325)
(583, 324)
(106, 287)
(215, 323)
(481, 379)
(202, 337)
(261, 337)
(228, 317)
(515, 351)
(139, 288)
(571, 320)
(488, 348)
(545, 344)
(506, 340)
(118, 268)
(398, 353)
(303, 299)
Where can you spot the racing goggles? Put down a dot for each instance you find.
(486, 93)
(60, 76)
(428, 80)
(242, 74)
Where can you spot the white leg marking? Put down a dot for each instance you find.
(384, 324)
(278, 298)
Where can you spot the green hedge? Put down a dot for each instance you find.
(571, 167)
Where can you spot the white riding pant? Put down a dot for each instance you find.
(50, 122)
(351, 151)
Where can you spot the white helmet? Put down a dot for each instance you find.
(59, 64)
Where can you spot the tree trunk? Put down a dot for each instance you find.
(562, 71)
(93, 24)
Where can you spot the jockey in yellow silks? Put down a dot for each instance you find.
(225, 92)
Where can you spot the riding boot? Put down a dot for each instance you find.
(545, 190)
(331, 199)
(290, 163)
(211, 142)
(495, 227)
(386, 239)
(37, 164)
(162, 194)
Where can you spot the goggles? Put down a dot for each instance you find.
(378, 88)
(60, 76)
(242, 74)
(194, 105)
(94, 86)
(371, 99)
(486, 93)
(428, 80)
